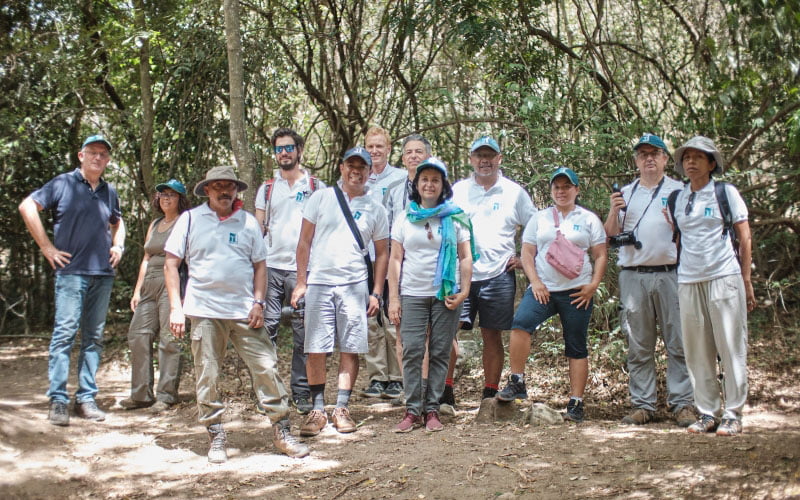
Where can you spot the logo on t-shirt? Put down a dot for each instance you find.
(576, 227)
(709, 212)
(496, 206)
(232, 238)
(357, 215)
(664, 201)
(383, 191)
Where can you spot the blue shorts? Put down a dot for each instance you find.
(574, 322)
(493, 300)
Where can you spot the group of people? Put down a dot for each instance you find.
(389, 263)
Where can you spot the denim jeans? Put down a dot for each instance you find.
(81, 303)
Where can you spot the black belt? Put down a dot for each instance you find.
(651, 269)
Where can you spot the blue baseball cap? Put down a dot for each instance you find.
(172, 184)
(651, 140)
(566, 172)
(484, 141)
(433, 162)
(358, 152)
(96, 138)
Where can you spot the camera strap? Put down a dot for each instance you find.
(633, 190)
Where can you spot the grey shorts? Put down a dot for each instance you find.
(337, 315)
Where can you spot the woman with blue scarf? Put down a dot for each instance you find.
(432, 253)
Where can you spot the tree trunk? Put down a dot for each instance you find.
(238, 128)
(145, 178)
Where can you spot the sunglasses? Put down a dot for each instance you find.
(289, 148)
(428, 228)
(690, 205)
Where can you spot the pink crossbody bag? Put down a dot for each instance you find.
(564, 255)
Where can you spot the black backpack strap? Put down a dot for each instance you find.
(676, 232)
(727, 216)
(348, 216)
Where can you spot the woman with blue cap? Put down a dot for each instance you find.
(150, 307)
(430, 269)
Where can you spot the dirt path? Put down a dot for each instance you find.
(135, 455)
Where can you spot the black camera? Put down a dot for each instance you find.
(615, 189)
(624, 239)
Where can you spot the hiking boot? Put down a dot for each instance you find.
(684, 416)
(285, 442)
(729, 427)
(448, 396)
(375, 389)
(408, 423)
(393, 390)
(489, 392)
(303, 405)
(574, 411)
(218, 440)
(315, 422)
(58, 414)
(706, 423)
(432, 422)
(160, 406)
(132, 404)
(342, 420)
(515, 389)
(639, 416)
(89, 411)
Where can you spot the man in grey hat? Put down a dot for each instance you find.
(224, 300)
(89, 239)
(714, 287)
(648, 285)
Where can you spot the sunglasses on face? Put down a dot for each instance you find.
(289, 148)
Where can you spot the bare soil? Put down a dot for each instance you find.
(135, 454)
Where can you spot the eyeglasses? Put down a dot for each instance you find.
(222, 186)
(485, 156)
(289, 148)
(643, 155)
(168, 194)
(428, 228)
(691, 203)
(98, 154)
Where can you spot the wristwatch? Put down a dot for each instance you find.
(120, 248)
(379, 297)
(259, 302)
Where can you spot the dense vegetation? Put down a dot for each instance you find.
(182, 85)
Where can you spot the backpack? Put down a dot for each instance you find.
(725, 211)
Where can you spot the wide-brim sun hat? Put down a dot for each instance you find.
(703, 144)
(565, 172)
(221, 173)
(435, 163)
(172, 184)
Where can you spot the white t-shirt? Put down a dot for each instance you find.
(221, 258)
(380, 189)
(654, 232)
(421, 254)
(495, 215)
(581, 226)
(398, 199)
(285, 218)
(705, 255)
(335, 256)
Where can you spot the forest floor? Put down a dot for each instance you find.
(134, 454)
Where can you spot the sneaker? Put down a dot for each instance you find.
(303, 405)
(342, 420)
(132, 404)
(218, 440)
(448, 396)
(89, 411)
(393, 390)
(729, 427)
(409, 422)
(315, 422)
(639, 416)
(489, 392)
(515, 389)
(574, 411)
(58, 414)
(706, 423)
(432, 422)
(160, 406)
(684, 416)
(286, 443)
(375, 389)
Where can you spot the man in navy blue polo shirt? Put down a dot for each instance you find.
(89, 242)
